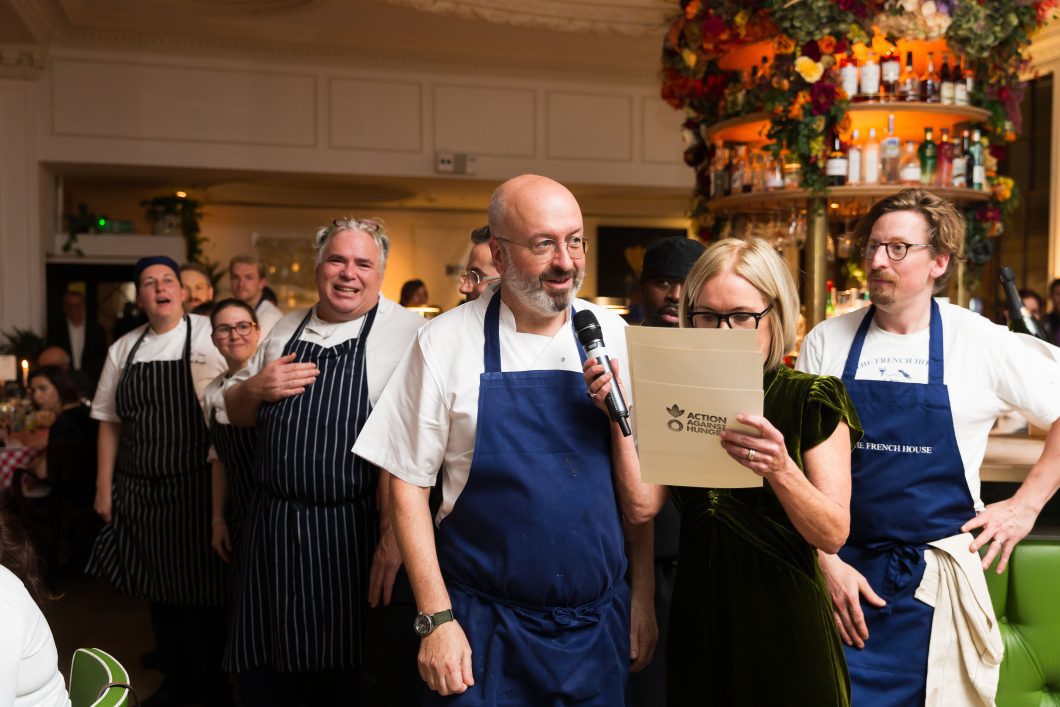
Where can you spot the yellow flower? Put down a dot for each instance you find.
(741, 19)
(783, 44)
(1003, 188)
(808, 69)
(817, 145)
(692, 9)
(880, 45)
(690, 57)
(861, 52)
(818, 123)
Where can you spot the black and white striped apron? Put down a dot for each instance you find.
(313, 526)
(157, 545)
(236, 448)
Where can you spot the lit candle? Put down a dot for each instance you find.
(25, 372)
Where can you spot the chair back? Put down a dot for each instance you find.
(98, 680)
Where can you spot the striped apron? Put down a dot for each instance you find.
(157, 545)
(236, 447)
(313, 526)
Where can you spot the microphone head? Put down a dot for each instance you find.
(1006, 274)
(587, 327)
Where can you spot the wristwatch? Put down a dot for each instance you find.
(424, 624)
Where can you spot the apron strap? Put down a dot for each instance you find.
(366, 327)
(850, 368)
(289, 346)
(491, 350)
(136, 347)
(936, 368)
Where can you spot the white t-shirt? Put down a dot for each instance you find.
(77, 343)
(427, 417)
(988, 371)
(29, 663)
(392, 332)
(206, 360)
(268, 314)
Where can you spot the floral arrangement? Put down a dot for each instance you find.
(801, 93)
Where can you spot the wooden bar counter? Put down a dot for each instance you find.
(1009, 458)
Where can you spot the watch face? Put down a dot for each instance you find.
(422, 625)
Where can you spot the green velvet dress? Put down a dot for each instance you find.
(751, 621)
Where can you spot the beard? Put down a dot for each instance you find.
(879, 294)
(531, 291)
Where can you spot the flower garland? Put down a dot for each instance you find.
(801, 94)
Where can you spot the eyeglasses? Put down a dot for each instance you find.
(549, 247)
(223, 331)
(368, 225)
(896, 250)
(476, 278)
(733, 320)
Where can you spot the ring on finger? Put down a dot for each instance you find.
(750, 454)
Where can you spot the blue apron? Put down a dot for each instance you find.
(533, 550)
(908, 488)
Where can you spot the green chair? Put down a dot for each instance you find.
(1026, 600)
(98, 680)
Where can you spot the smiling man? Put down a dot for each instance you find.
(309, 541)
(153, 484)
(928, 380)
(246, 279)
(524, 602)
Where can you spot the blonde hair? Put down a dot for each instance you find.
(755, 261)
(944, 223)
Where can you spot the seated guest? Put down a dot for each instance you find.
(29, 663)
(236, 335)
(247, 281)
(197, 283)
(749, 591)
(57, 401)
(56, 356)
(414, 294)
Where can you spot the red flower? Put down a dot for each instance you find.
(997, 152)
(842, 46)
(989, 213)
(811, 50)
(713, 26)
(822, 97)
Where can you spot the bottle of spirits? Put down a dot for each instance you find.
(837, 167)
(929, 158)
(721, 169)
(908, 83)
(848, 76)
(960, 88)
(870, 79)
(929, 82)
(944, 173)
(890, 154)
(909, 169)
(739, 175)
(959, 170)
(969, 79)
(870, 159)
(890, 73)
(854, 159)
(975, 159)
(947, 86)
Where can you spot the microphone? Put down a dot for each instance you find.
(592, 340)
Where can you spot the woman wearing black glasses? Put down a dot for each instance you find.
(751, 620)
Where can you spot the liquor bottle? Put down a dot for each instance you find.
(836, 168)
(870, 79)
(870, 158)
(975, 159)
(1019, 319)
(929, 158)
(969, 79)
(739, 177)
(944, 172)
(909, 168)
(721, 170)
(960, 88)
(848, 76)
(890, 154)
(890, 73)
(854, 159)
(947, 86)
(960, 161)
(908, 83)
(929, 82)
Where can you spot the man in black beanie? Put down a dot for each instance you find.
(666, 264)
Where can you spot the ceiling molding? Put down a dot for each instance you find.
(1045, 49)
(632, 19)
(378, 58)
(22, 61)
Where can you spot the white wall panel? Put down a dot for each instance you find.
(660, 131)
(156, 102)
(590, 126)
(485, 120)
(375, 115)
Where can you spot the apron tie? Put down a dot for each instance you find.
(586, 614)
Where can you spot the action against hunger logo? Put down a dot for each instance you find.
(701, 422)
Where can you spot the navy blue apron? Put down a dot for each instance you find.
(908, 488)
(313, 524)
(533, 550)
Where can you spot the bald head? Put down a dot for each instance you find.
(522, 205)
(54, 356)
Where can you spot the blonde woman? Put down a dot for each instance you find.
(751, 620)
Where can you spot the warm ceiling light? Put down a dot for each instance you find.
(182, 195)
(835, 205)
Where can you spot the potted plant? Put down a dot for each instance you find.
(171, 213)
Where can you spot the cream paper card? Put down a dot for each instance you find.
(9, 368)
(688, 385)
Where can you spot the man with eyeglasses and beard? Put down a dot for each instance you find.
(317, 546)
(662, 279)
(480, 272)
(523, 600)
(928, 380)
